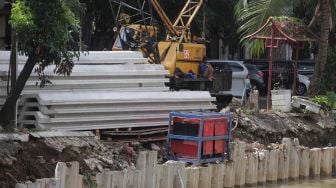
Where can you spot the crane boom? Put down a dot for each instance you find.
(186, 16)
(183, 21)
(164, 17)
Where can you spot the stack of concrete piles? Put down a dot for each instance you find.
(113, 71)
(106, 109)
(105, 90)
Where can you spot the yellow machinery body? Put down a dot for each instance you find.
(186, 58)
(139, 31)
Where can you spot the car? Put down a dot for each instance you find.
(302, 85)
(283, 69)
(240, 80)
(306, 69)
(256, 77)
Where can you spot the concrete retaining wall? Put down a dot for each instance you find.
(278, 163)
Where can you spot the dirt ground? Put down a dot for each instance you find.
(35, 160)
(264, 128)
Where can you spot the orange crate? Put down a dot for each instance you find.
(185, 149)
(208, 130)
(221, 126)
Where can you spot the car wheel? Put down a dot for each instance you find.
(300, 89)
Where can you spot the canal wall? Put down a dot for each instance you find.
(249, 166)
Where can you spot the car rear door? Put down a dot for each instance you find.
(239, 76)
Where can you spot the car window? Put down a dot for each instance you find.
(251, 67)
(219, 65)
(236, 67)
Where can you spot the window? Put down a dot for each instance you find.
(236, 67)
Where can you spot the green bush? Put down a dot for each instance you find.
(331, 99)
(327, 101)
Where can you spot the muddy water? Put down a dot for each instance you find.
(330, 183)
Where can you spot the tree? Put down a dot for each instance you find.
(325, 10)
(251, 14)
(45, 31)
(329, 76)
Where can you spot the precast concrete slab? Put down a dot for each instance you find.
(284, 157)
(105, 90)
(240, 164)
(56, 83)
(192, 177)
(229, 174)
(91, 57)
(93, 77)
(217, 180)
(251, 176)
(100, 70)
(105, 97)
(326, 161)
(205, 176)
(68, 111)
(272, 166)
(56, 107)
(304, 163)
(262, 166)
(294, 161)
(315, 162)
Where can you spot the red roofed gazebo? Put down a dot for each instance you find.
(285, 29)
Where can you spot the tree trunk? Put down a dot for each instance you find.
(7, 110)
(323, 48)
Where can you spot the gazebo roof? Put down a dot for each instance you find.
(284, 29)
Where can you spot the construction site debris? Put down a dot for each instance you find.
(23, 137)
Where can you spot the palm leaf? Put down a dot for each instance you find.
(251, 15)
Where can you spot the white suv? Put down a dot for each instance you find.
(240, 80)
(302, 85)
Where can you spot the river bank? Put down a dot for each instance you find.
(37, 158)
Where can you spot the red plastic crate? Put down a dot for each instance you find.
(178, 119)
(221, 126)
(192, 121)
(208, 130)
(185, 149)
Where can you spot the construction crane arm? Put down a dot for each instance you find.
(183, 21)
(186, 16)
(164, 17)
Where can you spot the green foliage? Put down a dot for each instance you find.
(257, 47)
(46, 30)
(251, 15)
(21, 16)
(321, 100)
(327, 101)
(331, 96)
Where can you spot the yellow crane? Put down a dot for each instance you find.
(178, 51)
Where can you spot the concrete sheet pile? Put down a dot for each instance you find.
(105, 90)
(91, 57)
(90, 110)
(96, 71)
